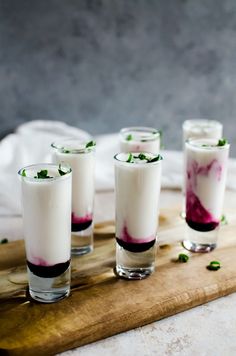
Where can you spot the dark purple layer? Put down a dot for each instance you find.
(48, 271)
(202, 226)
(197, 217)
(75, 227)
(133, 247)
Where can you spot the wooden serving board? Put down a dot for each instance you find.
(100, 304)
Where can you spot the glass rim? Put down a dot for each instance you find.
(151, 133)
(60, 146)
(143, 164)
(192, 142)
(52, 165)
(209, 123)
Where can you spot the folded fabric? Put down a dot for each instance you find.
(28, 145)
(31, 144)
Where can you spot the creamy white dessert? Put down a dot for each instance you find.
(206, 168)
(140, 139)
(46, 200)
(138, 177)
(199, 128)
(202, 128)
(81, 157)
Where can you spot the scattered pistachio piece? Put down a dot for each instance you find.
(183, 258)
(214, 266)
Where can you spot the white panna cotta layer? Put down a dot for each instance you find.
(82, 162)
(47, 216)
(137, 197)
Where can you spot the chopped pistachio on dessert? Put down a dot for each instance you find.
(223, 220)
(143, 157)
(157, 158)
(130, 158)
(4, 241)
(129, 137)
(43, 174)
(214, 266)
(222, 142)
(60, 171)
(90, 144)
(183, 258)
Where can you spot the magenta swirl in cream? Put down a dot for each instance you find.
(199, 217)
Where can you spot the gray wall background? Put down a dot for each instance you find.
(102, 64)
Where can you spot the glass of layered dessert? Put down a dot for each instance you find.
(81, 157)
(137, 190)
(198, 128)
(205, 179)
(140, 139)
(46, 202)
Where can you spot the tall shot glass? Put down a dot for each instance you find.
(140, 139)
(205, 176)
(198, 128)
(137, 190)
(81, 157)
(46, 202)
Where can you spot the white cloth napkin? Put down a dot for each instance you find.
(31, 144)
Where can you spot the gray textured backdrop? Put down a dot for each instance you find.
(104, 64)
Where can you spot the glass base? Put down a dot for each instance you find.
(136, 273)
(49, 290)
(200, 241)
(135, 265)
(194, 247)
(82, 242)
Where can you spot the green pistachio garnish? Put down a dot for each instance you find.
(4, 241)
(155, 159)
(183, 258)
(23, 173)
(43, 174)
(129, 137)
(223, 220)
(90, 144)
(142, 156)
(222, 142)
(130, 158)
(214, 266)
(61, 172)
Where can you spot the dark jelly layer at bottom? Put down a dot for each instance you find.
(48, 271)
(203, 227)
(133, 247)
(80, 226)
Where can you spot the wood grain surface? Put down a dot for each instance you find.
(100, 304)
